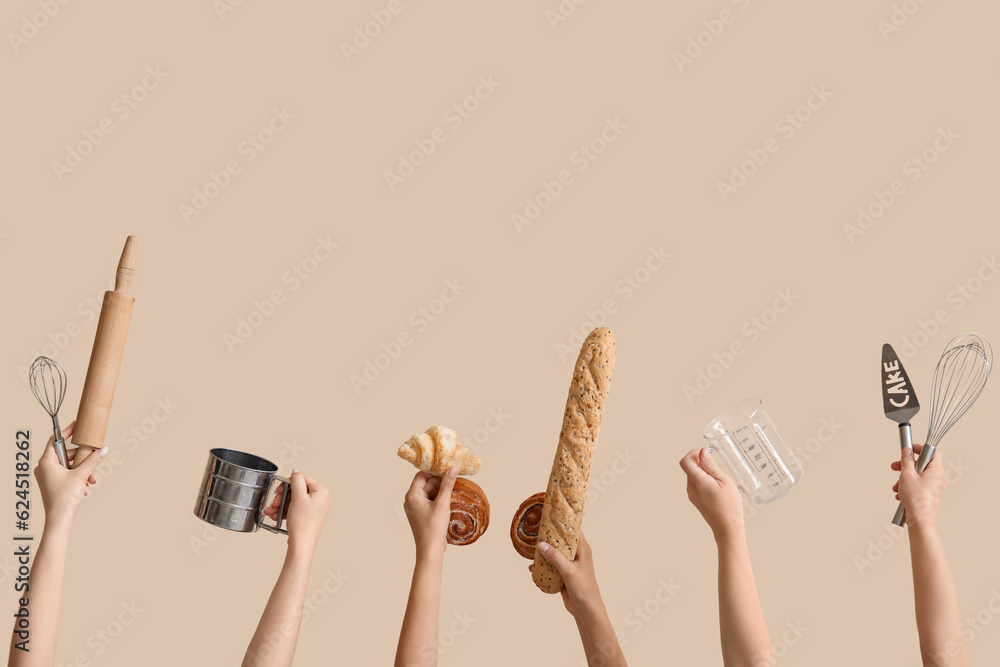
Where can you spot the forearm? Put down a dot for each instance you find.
(600, 643)
(273, 644)
(936, 601)
(745, 641)
(418, 637)
(44, 595)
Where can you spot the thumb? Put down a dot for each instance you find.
(299, 485)
(447, 484)
(709, 465)
(556, 558)
(89, 464)
(906, 463)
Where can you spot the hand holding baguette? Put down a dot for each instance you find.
(562, 513)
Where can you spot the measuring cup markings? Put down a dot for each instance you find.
(753, 452)
(768, 452)
(751, 455)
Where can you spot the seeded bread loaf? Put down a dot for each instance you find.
(562, 513)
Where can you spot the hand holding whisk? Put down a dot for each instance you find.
(959, 378)
(48, 384)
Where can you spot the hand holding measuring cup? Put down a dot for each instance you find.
(712, 492)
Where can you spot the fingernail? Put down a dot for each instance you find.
(452, 473)
(295, 470)
(104, 450)
(543, 546)
(907, 451)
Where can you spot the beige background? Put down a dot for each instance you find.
(285, 393)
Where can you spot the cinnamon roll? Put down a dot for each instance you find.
(470, 513)
(524, 528)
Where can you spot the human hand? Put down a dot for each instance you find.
(428, 509)
(578, 575)
(920, 493)
(713, 492)
(63, 489)
(306, 511)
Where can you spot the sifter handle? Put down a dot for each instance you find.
(283, 506)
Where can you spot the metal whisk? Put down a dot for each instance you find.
(48, 384)
(959, 378)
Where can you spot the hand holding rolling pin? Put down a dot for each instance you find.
(63, 490)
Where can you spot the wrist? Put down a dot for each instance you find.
(58, 524)
(923, 527)
(430, 556)
(301, 549)
(730, 535)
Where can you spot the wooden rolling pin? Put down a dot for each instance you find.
(105, 359)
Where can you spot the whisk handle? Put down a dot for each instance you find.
(926, 454)
(59, 444)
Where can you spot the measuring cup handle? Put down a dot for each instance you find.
(276, 528)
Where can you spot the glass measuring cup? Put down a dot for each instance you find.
(753, 452)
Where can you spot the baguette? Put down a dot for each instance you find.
(562, 513)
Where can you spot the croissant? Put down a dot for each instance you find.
(470, 513)
(437, 449)
(524, 528)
